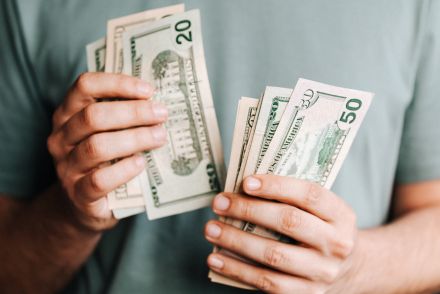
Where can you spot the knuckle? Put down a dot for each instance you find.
(97, 182)
(91, 116)
(59, 167)
(283, 185)
(344, 210)
(143, 112)
(351, 217)
(329, 274)
(83, 82)
(313, 194)
(289, 219)
(232, 241)
(61, 171)
(132, 168)
(142, 137)
(274, 256)
(245, 208)
(129, 84)
(51, 144)
(56, 145)
(68, 181)
(92, 147)
(236, 275)
(56, 117)
(265, 283)
(342, 247)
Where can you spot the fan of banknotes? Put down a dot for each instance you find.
(304, 132)
(164, 47)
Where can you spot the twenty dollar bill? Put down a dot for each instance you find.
(118, 26)
(187, 172)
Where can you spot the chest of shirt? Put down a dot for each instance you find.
(249, 45)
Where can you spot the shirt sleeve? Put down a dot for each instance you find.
(25, 165)
(419, 158)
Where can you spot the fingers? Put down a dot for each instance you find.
(90, 86)
(285, 219)
(294, 260)
(303, 194)
(260, 278)
(107, 116)
(101, 181)
(104, 147)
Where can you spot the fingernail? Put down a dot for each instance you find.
(159, 133)
(140, 161)
(145, 89)
(215, 262)
(159, 110)
(213, 231)
(253, 183)
(221, 202)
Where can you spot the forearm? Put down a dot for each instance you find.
(43, 244)
(402, 257)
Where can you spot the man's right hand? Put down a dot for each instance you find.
(87, 134)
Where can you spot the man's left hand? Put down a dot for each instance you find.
(322, 223)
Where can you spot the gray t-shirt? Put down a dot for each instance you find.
(388, 47)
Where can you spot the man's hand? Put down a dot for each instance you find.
(319, 220)
(46, 240)
(86, 135)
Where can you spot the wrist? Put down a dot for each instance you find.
(90, 223)
(81, 219)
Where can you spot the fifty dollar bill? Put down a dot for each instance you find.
(311, 141)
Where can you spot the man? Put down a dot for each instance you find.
(56, 229)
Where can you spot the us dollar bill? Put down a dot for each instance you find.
(96, 55)
(247, 112)
(118, 26)
(244, 123)
(245, 148)
(264, 125)
(188, 171)
(128, 199)
(270, 112)
(316, 132)
(274, 102)
(96, 52)
(313, 138)
(127, 196)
